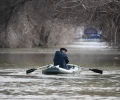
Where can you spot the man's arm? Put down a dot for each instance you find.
(66, 59)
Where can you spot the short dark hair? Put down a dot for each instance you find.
(63, 49)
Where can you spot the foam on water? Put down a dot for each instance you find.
(83, 86)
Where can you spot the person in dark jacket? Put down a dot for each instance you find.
(61, 58)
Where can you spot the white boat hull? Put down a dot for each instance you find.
(51, 69)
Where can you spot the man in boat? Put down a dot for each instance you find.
(61, 58)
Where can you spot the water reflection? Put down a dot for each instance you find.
(29, 60)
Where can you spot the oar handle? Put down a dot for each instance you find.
(44, 66)
(84, 68)
(41, 67)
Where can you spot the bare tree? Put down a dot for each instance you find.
(29, 23)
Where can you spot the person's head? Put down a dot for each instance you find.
(63, 50)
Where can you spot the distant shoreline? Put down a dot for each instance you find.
(75, 48)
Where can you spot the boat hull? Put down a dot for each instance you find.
(52, 70)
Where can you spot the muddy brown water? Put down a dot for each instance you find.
(87, 85)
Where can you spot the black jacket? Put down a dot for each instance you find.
(60, 59)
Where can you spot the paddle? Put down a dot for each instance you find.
(30, 70)
(94, 70)
(33, 69)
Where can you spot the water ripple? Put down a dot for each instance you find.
(15, 84)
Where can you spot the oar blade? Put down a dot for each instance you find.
(97, 71)
(30, 70)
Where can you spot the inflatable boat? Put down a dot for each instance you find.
(51, 69)
(72, 68)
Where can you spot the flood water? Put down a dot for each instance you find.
(86, 85)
